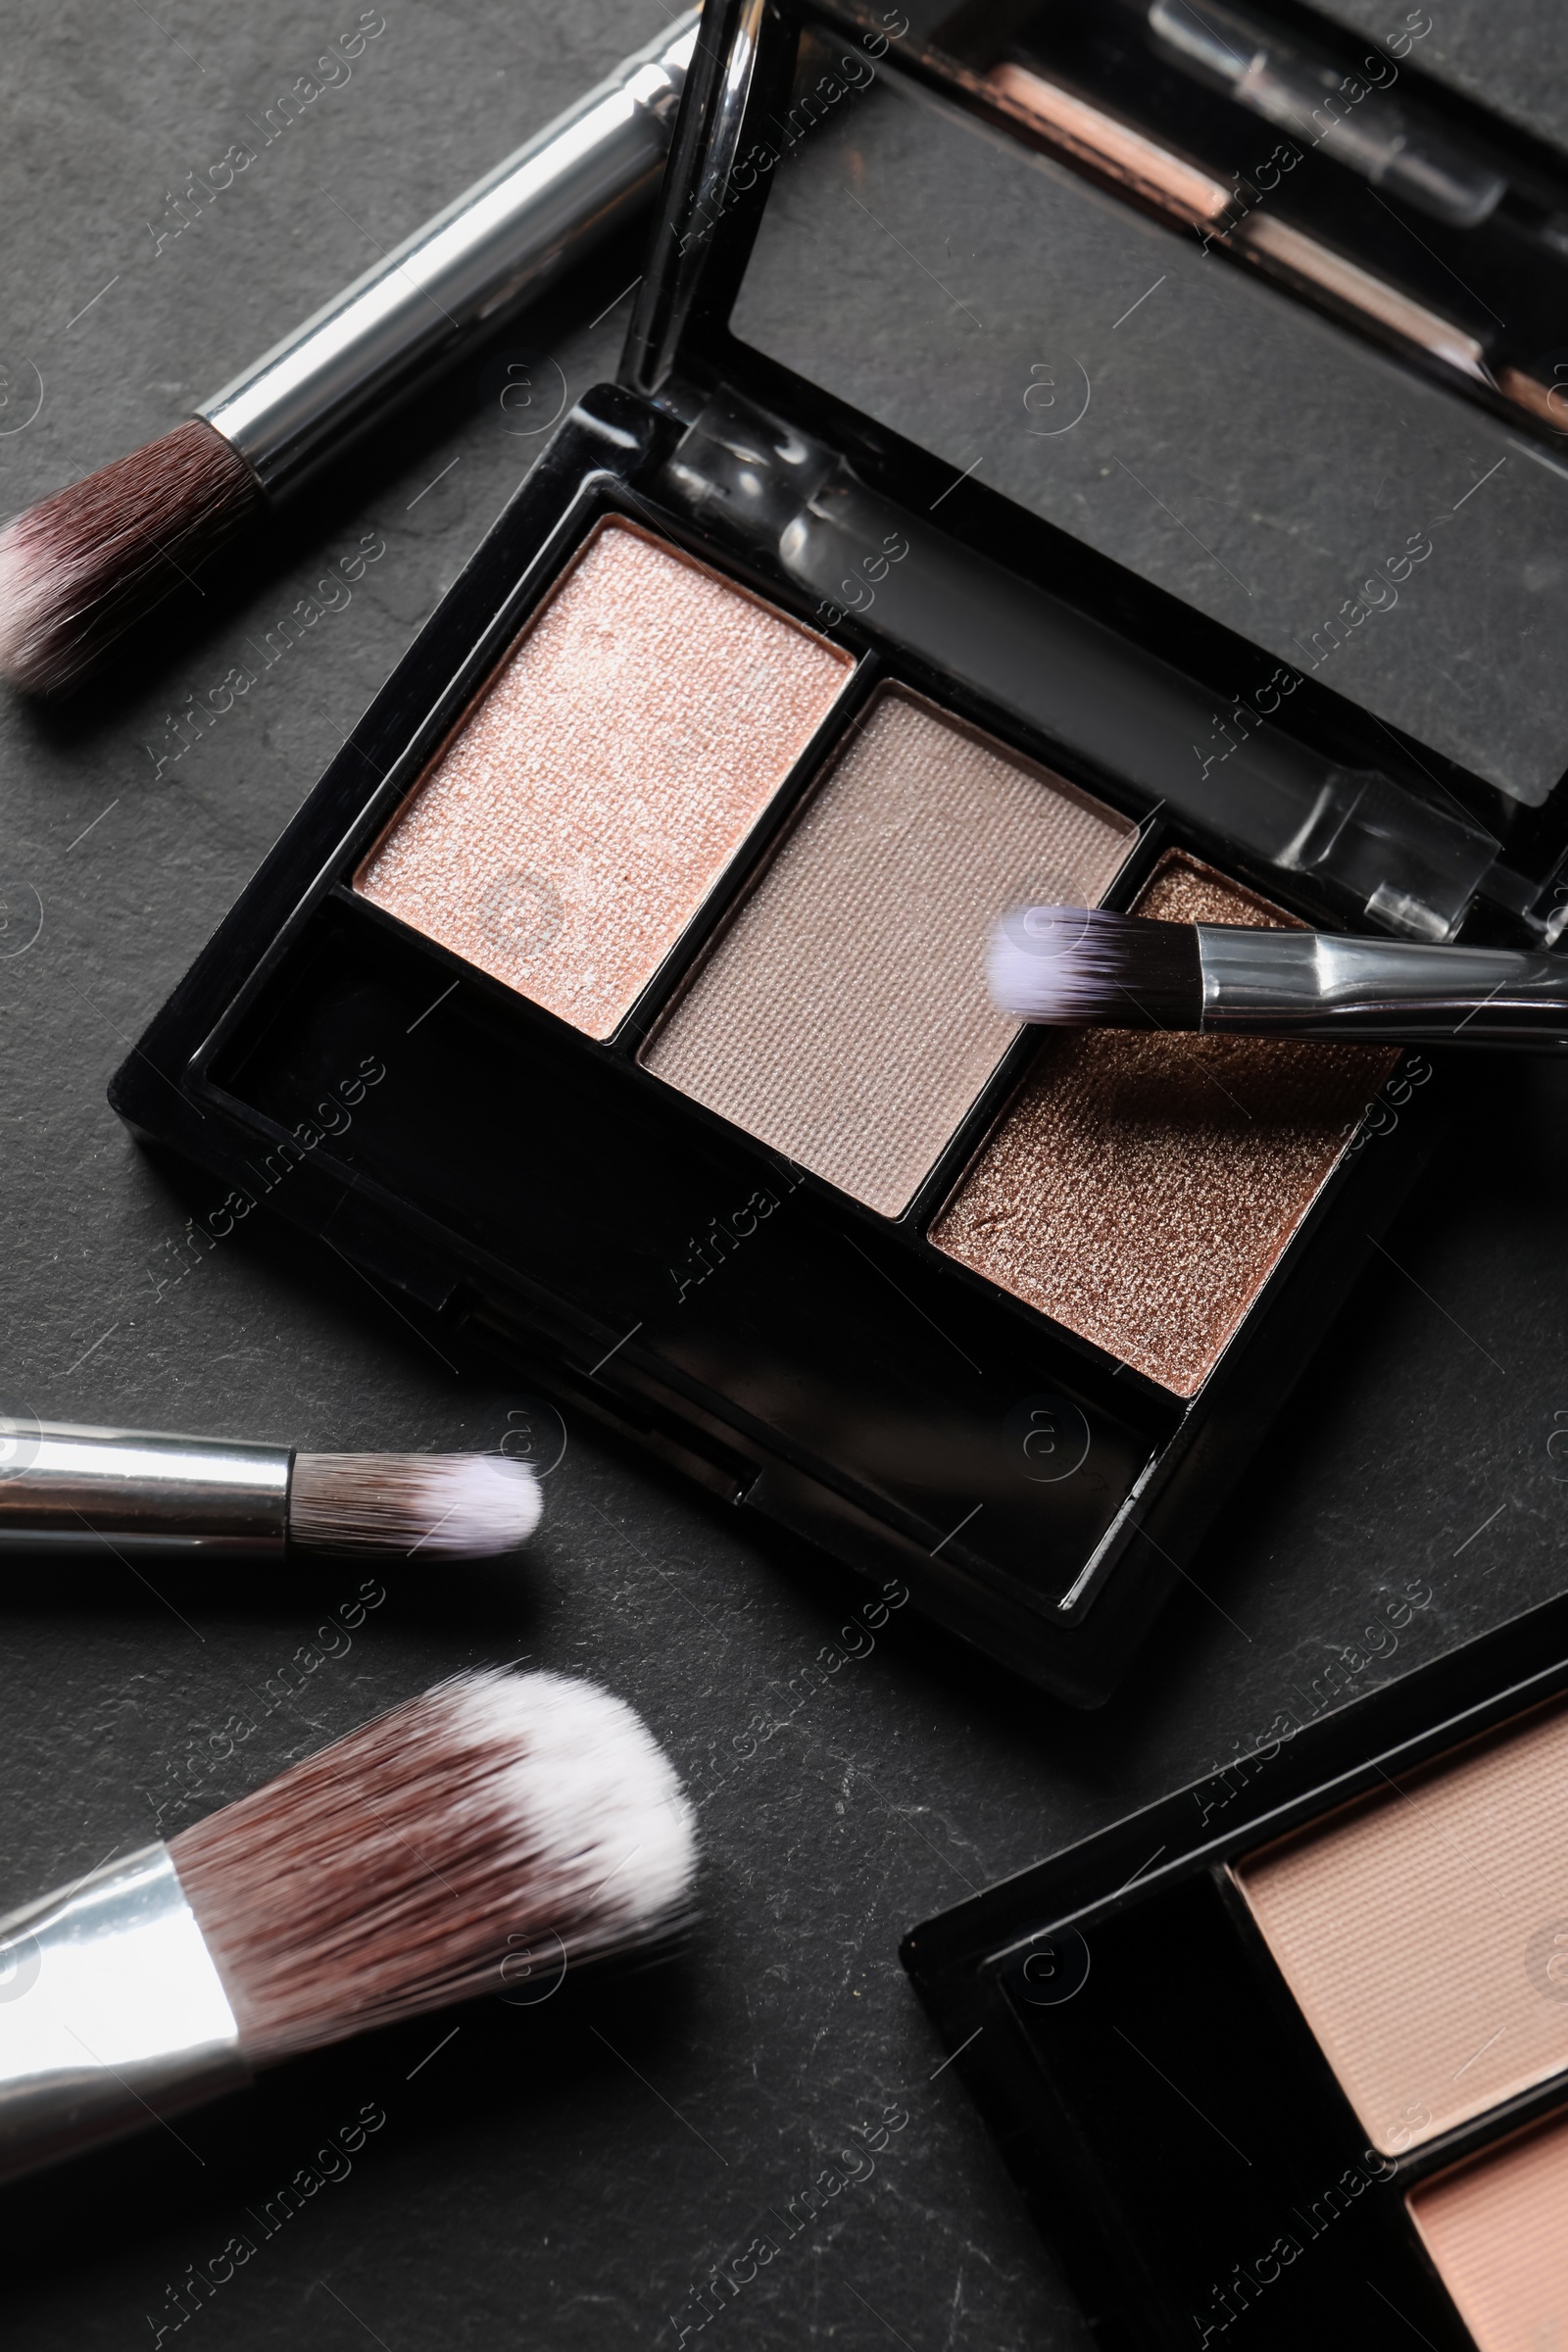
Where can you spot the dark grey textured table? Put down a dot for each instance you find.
(563, 2174)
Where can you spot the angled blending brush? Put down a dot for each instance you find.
(69, 1489)
(1080, 967)
(82, 564)
(395, 1872)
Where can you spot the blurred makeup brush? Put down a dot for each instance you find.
(80, 566)
(497, 1817)
(70, 1488)
(1080, 967)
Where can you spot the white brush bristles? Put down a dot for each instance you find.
(469, 1505)
(26, 605)
(1033, 967)
(1082, 966)
(498, 1819)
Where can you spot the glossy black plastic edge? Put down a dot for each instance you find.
(955, 1959)
(612, 439)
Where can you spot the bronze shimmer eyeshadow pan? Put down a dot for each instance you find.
(843, 1016)
(1141, 1185)
(606, 776)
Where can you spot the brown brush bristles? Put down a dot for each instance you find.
(469, 1504)
(82, 564)
(500, 1816)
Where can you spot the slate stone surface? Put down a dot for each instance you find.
(563, 2174)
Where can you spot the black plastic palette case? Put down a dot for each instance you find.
(616, 999)
(1283, 2061)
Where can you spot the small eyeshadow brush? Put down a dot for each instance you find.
(64, 1487)
(86, 561)
(1080, 967)
(498, 1818)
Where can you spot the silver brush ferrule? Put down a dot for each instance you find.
(1317, 984)
(64, 1489)
(457, 278)
(112, 2013)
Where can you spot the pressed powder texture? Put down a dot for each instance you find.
(1425, 1936)
(843, 1017)
(610, 769)
(1497, 2231)
(1141, 1186)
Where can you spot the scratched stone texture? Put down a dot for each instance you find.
(565, 2174)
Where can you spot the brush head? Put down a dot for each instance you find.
(84, 564)
(1079, 968)
(400, 1868)
(470, 1505)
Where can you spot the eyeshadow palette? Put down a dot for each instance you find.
(657, 879)
(1337, 2106)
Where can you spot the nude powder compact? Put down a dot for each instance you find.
(1284, 2059)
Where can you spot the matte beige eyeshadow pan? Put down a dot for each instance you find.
(843, 1017)
(1425, 1935)
(1141, 1185)
(611, 768)
(1497, 2231)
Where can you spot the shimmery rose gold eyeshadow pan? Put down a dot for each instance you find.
(843, 1017)
(606, 777)
(1142, 1185)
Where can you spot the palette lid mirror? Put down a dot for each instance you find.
(1236, 343)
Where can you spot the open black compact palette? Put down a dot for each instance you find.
(1283, 2061)
(616, 1002)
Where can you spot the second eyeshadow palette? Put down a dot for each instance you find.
(665, 912)
(1284, 2060)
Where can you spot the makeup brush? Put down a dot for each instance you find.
(497, 1819)
(1080, 967)
(70, 1489)
(83, 564)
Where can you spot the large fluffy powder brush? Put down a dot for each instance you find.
(499, 1819)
